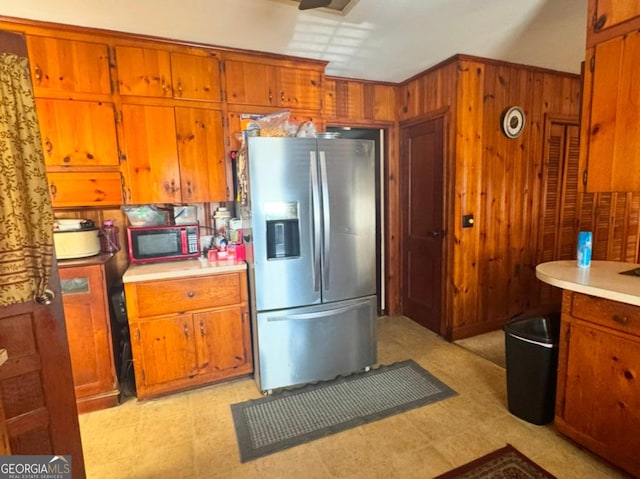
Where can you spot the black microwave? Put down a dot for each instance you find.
(150, 244)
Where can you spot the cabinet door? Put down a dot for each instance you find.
(299, 88)
(195, 77)
(68, 66)
(87, 321)
(163, 350)
(612, 123)
(201, 154)
(71, 189)
(151, 154)
(143, 71)
(250, 83)
(222, 340)
(608, 13)
(602, 393)
(77, 133)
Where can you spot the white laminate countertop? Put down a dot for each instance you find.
(601, 279)
(179, 269)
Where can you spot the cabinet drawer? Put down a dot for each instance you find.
(612, 314)
(188, 294)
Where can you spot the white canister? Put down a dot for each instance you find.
(221, 221)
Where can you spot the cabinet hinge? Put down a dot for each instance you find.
(584, 178)
(223, 95)
(592, 63)
(138, 335)
(112, 67)
(117, 115)
(144, 377)
(221, 66)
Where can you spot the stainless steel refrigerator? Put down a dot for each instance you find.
(311, 229)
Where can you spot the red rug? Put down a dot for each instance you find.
(505, 463)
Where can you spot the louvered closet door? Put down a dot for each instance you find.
(559, 219)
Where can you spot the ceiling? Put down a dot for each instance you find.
(380, 40)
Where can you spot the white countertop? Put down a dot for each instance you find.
(601, 279)
(179, 269)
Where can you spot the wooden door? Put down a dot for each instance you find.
(195, 77)
(143, 71)
(201, 152)
(222, 340)
(299, 88)
(68, 66)
(77, 133)
(36, 383)
(422, 222)
(151, 154)
(250, 83)
(87, 319)
(164, 350)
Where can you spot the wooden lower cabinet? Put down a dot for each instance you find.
(599, 378)
(188, 332)
(86, 311)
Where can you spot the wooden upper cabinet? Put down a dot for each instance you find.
(68, 66)
(81, 188)
(77, 133)
(152, 72)
(610, 151)
(299, 88)
(201, 155)
(359, 101)
(605, 14)
(151, 154)
(249, 83)
(195, 77)
(173, 154)
(143, 71)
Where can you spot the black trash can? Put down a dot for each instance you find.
(531, 347)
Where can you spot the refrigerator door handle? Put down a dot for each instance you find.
(314, 315)
(326, 218)
(315, 206)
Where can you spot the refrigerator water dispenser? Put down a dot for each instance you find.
(283, 238)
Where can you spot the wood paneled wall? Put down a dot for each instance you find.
(499, 182)
(489, 268)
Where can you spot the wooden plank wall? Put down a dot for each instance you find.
(489, 269)
(500, 184)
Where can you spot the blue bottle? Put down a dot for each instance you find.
(584, 249)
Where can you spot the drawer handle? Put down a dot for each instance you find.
(620, 319)
(191, 294)
(202, 333)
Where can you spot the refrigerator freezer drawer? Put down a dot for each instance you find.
(304, 345)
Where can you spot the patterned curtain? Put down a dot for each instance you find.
(26, 215)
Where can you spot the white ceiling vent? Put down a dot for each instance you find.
(339, 7)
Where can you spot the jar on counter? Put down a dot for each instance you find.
(221, 219)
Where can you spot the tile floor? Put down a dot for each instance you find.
(191, 435)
